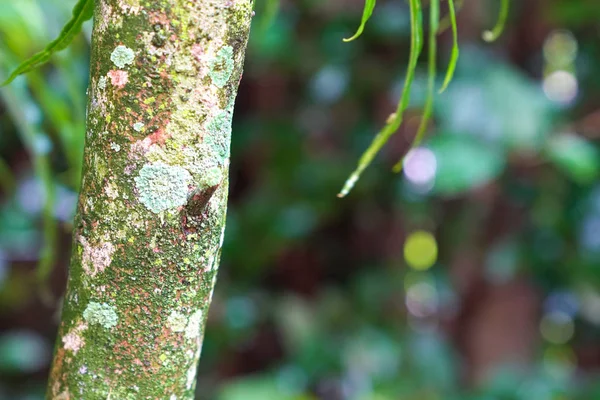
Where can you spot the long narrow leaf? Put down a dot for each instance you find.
(395, 119)
(455, 51)
(492, 35)
(83, 11)
(367, 12)
(434, 19)
(445, 22)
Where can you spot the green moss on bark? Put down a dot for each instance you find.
(152, 206)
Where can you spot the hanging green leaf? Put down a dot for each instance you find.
(445, 23)
(455, 52)
(367, 12)
(395, 120)
(492, 35)
(83, 11)
(434, 19)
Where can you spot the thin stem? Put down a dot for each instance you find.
(455, 51)
(434, 19)
(492, 35)
(395, 119)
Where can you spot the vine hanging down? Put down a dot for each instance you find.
(435, 27)
(83, 11)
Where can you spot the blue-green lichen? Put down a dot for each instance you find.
(219, 134)
(212, 177)
(162, 187)
(138, 126)
(101, 314)
(122, 56)
(221, 67)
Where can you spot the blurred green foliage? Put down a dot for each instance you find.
(315, 299)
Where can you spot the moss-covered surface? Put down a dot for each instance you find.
(148, 235)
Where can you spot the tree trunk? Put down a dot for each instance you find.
(151, 212)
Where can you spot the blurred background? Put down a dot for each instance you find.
(474, 274)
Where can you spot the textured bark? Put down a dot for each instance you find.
(151, 212)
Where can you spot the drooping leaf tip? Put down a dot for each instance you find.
(492, 35)
(349, 185)
(367, 12)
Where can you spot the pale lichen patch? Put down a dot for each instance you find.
(177, 321)
(212, 177)
(138, 126)
(162, 187)
(103, 16)
(192, 330)
(221, 66)
(183, 65)
(131, 7)
(95, 259)
(219, 134)
(111, 191)
(190, 324)
(122, 56)
(101, 314)
(102, 82)
(73, 340)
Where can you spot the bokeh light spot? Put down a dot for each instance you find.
(560, 48)
(557, 327)
(420, 166)
(420, 250)
(422, 299)
(561, 87)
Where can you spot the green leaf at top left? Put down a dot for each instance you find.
(367, 12)
(83, 11)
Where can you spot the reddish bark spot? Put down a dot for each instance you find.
(57, 367)
(158, 137)
(159, 18)
(197, 51)
(118, 78)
